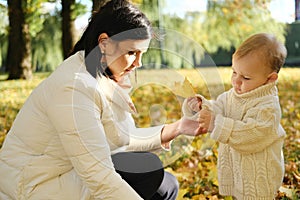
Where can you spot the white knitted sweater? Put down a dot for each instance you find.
(247, 127)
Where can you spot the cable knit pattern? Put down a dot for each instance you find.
(247, 126)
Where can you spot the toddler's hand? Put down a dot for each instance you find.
(191, 107)
(194, 103)
(206, 120)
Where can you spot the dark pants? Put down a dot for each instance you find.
(144, 172)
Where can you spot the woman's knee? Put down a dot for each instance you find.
(136, 162)
(143, 171)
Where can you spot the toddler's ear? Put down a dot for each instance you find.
(272, 77)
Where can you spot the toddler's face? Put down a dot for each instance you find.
(249, 72)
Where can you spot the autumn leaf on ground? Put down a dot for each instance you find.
(287, 191)
(184, 89)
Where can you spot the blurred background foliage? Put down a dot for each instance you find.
(221, 25)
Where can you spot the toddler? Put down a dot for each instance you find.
(246, 121)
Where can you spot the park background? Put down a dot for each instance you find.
(194, 56)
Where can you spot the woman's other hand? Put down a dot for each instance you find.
(189, 127)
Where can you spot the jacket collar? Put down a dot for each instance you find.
(117, 94)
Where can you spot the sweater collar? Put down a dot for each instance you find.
(264, 90)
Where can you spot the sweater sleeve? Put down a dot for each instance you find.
(190, 114)
(256, 131)
(75, 111)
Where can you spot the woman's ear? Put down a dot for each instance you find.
(102, 41)
(272, 77)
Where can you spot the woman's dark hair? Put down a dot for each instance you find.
(120, 20)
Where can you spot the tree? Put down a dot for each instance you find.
(68, 26)
(70, 11)
(227, 23)
(153, 11)
(25, 22)
(47, 44)
(3, 35)
(297, 10)
(224, 25)
(18, 53)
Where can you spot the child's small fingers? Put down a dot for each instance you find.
(193, 104)
(200, 131)
(205, 107)
(204, 130)
(189, 99)
(199, 99)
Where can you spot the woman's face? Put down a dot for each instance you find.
(125, 56)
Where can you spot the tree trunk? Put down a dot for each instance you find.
(297, 10)
(68, 27)
(19, 48)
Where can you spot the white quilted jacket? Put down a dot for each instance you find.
(61, 142)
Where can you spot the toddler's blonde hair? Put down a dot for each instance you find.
(268, 47)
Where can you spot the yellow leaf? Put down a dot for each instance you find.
(184, 89)
(212, 175)
(225, 10)
(287, 191)
(181, 193)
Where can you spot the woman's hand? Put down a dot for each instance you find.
(184, 126)
(189, 127)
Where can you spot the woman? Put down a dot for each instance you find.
(75, 137)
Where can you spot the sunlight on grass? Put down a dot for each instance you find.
(3, 77)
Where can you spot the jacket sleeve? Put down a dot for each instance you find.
(75, 111)
(259, 128)
(145, 139)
